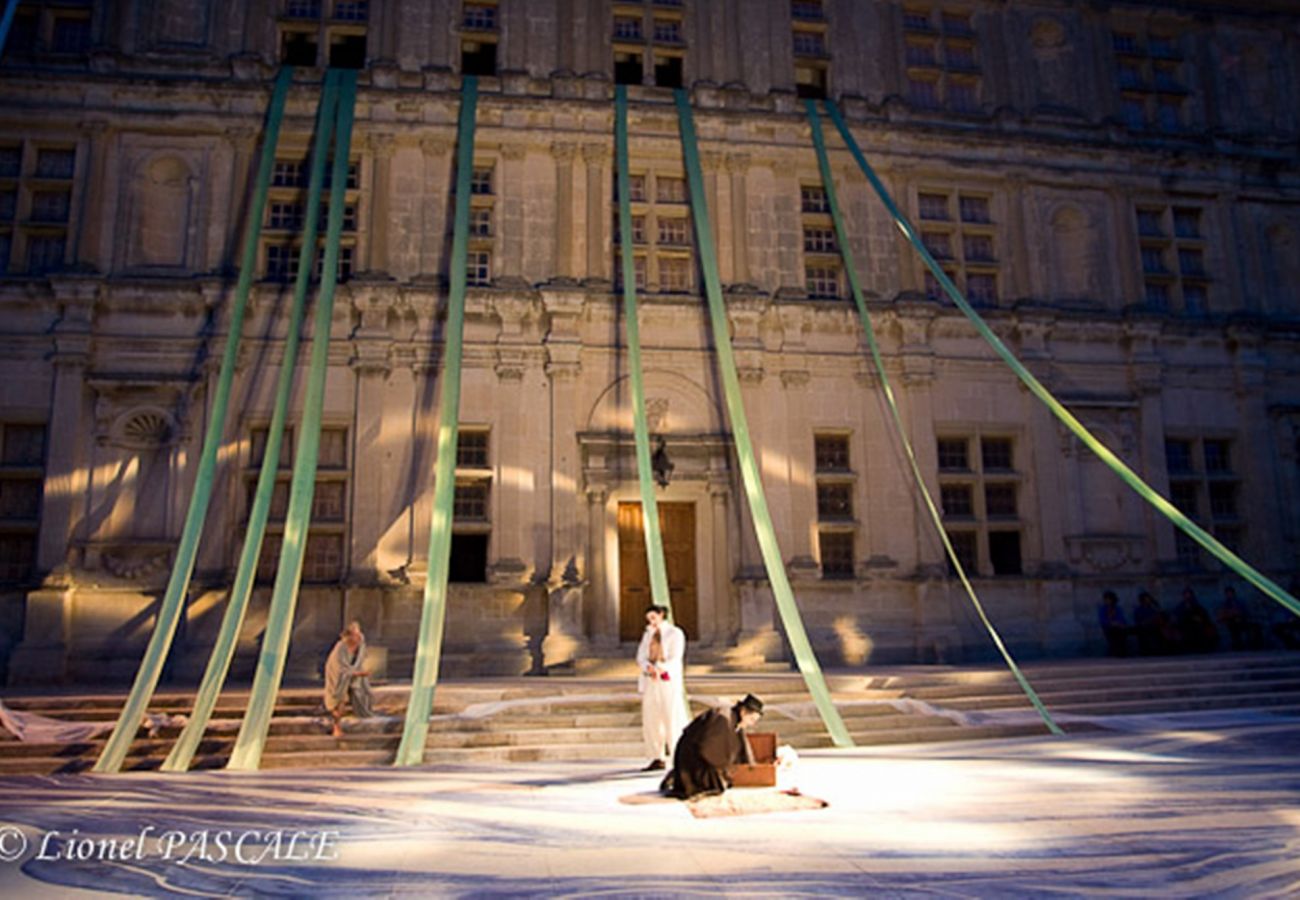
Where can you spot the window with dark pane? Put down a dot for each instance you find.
(468, 561)
(1004, 552)
(957, 501)
(471, 502)
(964, 545)
(996, 453)
(834, 501)
(472, 449)
(1178, 455)
(953, 455)
(831, 452)
(836, 551)
(1000, 500)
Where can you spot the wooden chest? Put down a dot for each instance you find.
(762, 773)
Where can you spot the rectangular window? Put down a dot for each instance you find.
(480, 222)
(471, 502)
(819, 240)
(1165, 285)
(480, 183)
(933, 207)
(352, 10)
(834, 501)
(479, 17)
(469, 553)
(836, 550)
(674, 274)
(672, 231)
(45, 253)
(670, 190)
(324, 556)
(813, 199)
(472, 450)
(51, 206)
(809, 43)
(478, 268)
(974, 209)
(668, 31)
(55, 163)
(986, 498)
(831, 452)
(822, 281)
(627, 28)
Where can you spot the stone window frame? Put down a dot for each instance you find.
(1152, 76)
(832, 483)
(649, 47)
(35, 28)
(287, 199)
(823, 268)
(1171, 281)
(940, 59)
(810, 46)
(980, 278)
(974, 532)
(1205, 485)
(321, 22)
(20, 536)
(475, 476)
(333, 473)
(21, 230)
(650, 253)
(477, 31)
(483, 251)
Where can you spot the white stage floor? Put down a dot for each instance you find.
(1198, 805)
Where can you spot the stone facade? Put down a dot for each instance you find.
(1115, 184)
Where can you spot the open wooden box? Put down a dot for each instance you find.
(762, 773)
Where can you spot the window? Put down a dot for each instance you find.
(835, 487)
(35, 206)
(957, 228)
(1172, 248)
(809, 36)
(980, 505)
(22, 479)
(479, 17)
(286, 215)
(324, 558)
(481, 181)
(662, 232)
(941, 60)
(60, 28)
(338, 27)
(478, 267)
(471, 506)
(1152, 82)
(649, 39)
(1205, 487)
(480, 222)
(822, 263)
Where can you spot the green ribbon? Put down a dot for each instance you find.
(339, 97)
(766, 533)
(841, 235)
(8, 19)
(654, 546)
(433, 614)
(223, 651)
(146, 679)
(1129, 477)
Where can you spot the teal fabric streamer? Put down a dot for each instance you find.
(223, 651)
(169, 611)
(1127, 475)
(654, 545)
(341, 94)
(841, 235)
(804, 656)
(433, 613)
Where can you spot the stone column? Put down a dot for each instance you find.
(736, 165)
(510, 221)
(381, 145)
(91, 230)
(602, 620)
(564, 209)
(437, 208)
(42, 655)
(600, 174)
(724, 619)
(515, 445)
(1018, 284)
(1146, 378)
(372, 497)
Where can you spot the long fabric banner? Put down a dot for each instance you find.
(1131, 478)
(763, 528)
(340, 97)
(433, 614)
(6, 20)
(841, 235)
(654, 547)
(146, 679)
(223, 651)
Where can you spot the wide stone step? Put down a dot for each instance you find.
(1163, 680)
(1155, 694)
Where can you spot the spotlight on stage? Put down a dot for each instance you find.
(661, 464)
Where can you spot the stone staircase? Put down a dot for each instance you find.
(587, 717)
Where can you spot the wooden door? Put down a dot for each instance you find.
(677, 525)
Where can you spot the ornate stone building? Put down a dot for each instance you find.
(1115, 185)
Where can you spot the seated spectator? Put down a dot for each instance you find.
(1244, 633)
(1151, 625)
(1195, 625)
(1113, 625)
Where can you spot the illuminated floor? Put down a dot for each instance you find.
(1202, 806)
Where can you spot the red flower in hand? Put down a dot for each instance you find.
(663, 676)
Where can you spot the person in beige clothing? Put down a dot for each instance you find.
(346, 678)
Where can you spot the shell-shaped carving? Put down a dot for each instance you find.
(147, 428)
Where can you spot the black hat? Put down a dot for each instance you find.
(751, 703)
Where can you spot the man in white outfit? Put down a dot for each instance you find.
(663, 695)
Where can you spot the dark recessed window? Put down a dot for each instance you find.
(468, 559)
(348, 51)
(478, 58)
(628, 68)
(298, 48)
(1004, 552)
(668, 71)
